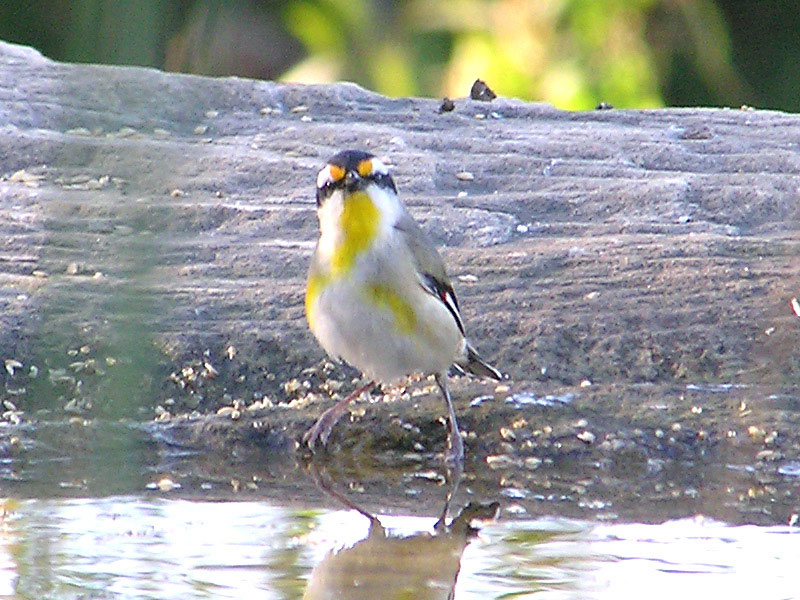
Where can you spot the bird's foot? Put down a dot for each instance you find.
(320, 431)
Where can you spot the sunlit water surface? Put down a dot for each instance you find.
(132, 547)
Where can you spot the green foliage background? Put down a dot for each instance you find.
(571, 53)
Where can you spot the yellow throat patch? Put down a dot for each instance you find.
(359, 224)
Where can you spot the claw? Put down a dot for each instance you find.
(321, 430)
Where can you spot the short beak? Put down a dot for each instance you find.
(352, 179)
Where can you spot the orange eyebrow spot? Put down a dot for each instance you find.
(337, 172)
(365, 168)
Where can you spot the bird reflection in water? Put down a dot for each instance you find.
(423, 566)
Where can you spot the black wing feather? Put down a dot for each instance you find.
(444, 292)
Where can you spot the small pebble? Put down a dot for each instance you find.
(447, 105)
(481, 91)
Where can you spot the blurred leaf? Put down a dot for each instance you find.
(392, 70)
(571, 53)
(315, 26)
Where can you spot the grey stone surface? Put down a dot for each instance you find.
(607, 245)
(155, 231)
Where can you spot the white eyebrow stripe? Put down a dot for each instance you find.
(378, 166)
(324, 176)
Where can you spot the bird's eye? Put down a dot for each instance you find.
(384, 180)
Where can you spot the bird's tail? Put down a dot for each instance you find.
(475, 365)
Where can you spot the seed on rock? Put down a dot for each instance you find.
(165, 484)
(12, 365)
(508, 434)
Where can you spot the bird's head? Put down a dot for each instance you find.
(351, 171)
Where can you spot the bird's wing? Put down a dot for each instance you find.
(430, 267)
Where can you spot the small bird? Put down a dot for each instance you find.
(378, 296)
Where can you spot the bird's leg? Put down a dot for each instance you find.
(455, 445)
(322, 428)
(325, 483)
(454, 474)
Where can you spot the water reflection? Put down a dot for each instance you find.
(155, 548)
(385, 564)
